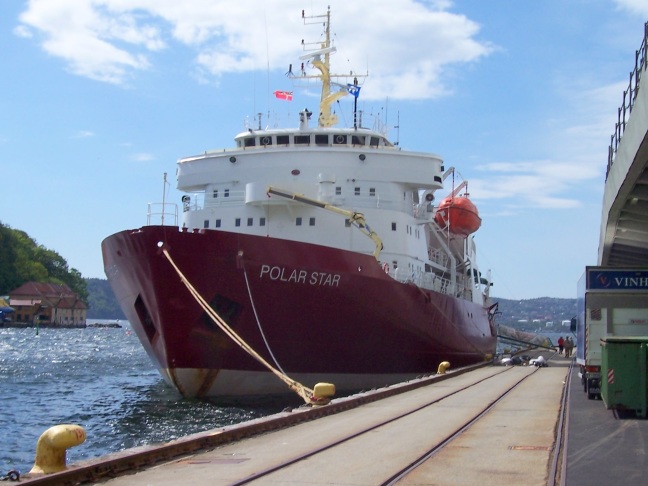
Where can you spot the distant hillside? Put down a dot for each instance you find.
(102, 303)
(544, 313)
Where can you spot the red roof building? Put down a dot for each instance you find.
(46, 303)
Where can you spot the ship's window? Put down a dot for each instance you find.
(237, 222)
(218, 223)
(321, 139)
(226, 192)
(374, 141)
(266, 140)
(283, 139)
(311, 221)
(261, 221)
(215, 193)
(339, 139)
(338, 190)
(250, 221)
(372, 191)
(298, 221)
(357, 191)
(249, 142)
(302, 139)
(206, 223)
(358, 139)
(393, 226)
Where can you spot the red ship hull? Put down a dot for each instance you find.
(317, 313)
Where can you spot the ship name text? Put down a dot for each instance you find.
(283, 274)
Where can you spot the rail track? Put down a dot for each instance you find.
(461, 430)
(417, 461)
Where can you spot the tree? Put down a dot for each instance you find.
(23, 260)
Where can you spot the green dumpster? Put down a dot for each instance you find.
(623, 373)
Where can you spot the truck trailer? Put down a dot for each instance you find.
(610, 302)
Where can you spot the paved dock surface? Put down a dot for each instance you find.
(513, 443)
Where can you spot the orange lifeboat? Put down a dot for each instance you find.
(459, 215)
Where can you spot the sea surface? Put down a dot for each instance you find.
(102, 379)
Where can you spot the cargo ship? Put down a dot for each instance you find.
(318, 253)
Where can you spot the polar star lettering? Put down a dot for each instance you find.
(299, 276)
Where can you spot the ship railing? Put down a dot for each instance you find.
(422, 211)
(230, 198)
(424, 280)
(437, 256)
(164, 214)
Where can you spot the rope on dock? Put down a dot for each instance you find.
(306, 393)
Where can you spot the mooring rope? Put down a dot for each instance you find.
(301, 390)
(256, 316)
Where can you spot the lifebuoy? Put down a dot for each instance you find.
(385, 267)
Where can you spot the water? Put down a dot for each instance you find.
(101, 379)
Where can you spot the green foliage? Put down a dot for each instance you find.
(101, 301)
(23, 260)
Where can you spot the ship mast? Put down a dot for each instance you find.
(320, 59)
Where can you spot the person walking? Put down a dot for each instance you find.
(561, 344)
(569, 345)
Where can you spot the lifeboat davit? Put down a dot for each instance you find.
(459, 215)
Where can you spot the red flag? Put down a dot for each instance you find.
(283, 95)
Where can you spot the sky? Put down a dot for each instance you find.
(99, 98)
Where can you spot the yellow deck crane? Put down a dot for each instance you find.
(355, 218)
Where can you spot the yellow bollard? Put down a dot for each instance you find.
(443, 366)
(52, 446)
(324, 390)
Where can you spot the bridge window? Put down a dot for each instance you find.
(249, 142)
(321, 139)
(339, 139)
(302, 139)
(374, 142)
(358, 139)
(283, 139)
(266, 141)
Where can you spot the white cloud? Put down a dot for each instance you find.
(636, 6)
(142, 157)
(84, 134)
(576, 157)
(407, 45)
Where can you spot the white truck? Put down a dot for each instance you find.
(611, 302)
